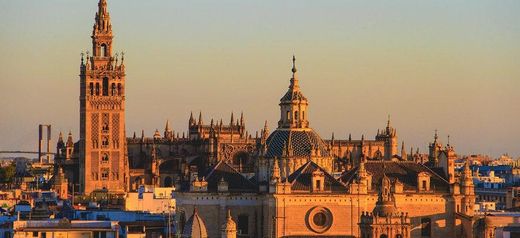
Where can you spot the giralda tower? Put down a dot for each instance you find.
(103, 158)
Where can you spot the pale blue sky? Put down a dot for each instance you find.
(450, 65)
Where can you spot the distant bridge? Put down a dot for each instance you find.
(24, 152)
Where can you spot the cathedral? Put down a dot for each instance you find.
(286, 183)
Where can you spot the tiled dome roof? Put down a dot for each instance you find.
(301, 142)
(195, 227)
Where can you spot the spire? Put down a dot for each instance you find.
(70, 143)
(435, 137)
(60, 138)
(232, 119)
(403, 153)
(200, 118)
(191, 120)
(294, 80)
(167, 127)
(242, 118)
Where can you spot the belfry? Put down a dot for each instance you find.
(103, 161)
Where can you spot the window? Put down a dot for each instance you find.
(105, 158)
(424, 184)
(288, 115)
(97, 89)
(104, 143)
(44, 235)
(426, 227)
(105, 86)
(104, 174)
(91, 89)
(243, 224)
(296, 115)
(318, 184)
(119, 88)
(103, 50)
(35, 234)
(113, 90)
(303, 115)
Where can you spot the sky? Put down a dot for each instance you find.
(447, 65)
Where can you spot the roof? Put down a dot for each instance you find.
(195, 227)
(405, 171)
(236, 182)
(301, 142)
(301, 179)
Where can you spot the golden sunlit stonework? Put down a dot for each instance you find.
(288, 183)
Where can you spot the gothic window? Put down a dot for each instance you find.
(91, 89)
(105, 127)
(426, 227)
(243, 224)
(105, 86)
(97, 89)
(103, 50)
(119, 88)
(104, 174)
(113, 90)
(104, 143)
(105, 158)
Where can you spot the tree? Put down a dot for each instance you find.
(7, 173)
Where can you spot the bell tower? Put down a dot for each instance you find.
(103, 159)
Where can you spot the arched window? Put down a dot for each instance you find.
(97, 89)
(113, 91)
(104, 159)
(105, 86)
(303, 115)
(295, 115)
(288, 115)
(103, 50)
(119, 89)
(91, 89)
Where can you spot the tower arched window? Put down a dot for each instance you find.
(113, 90)
(105, 86)
(295, 115)
(103, 50)
(91, 88)
(288, 115)
(119, 89)
(97, 89)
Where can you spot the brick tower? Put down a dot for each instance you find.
(103, 159)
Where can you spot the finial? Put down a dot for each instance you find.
(436, 136)
(388, 122)
(294, 64)
(448, 141)
(82, 60)
(122, 57)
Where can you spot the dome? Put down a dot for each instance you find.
(301, 141)
(195, 227)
